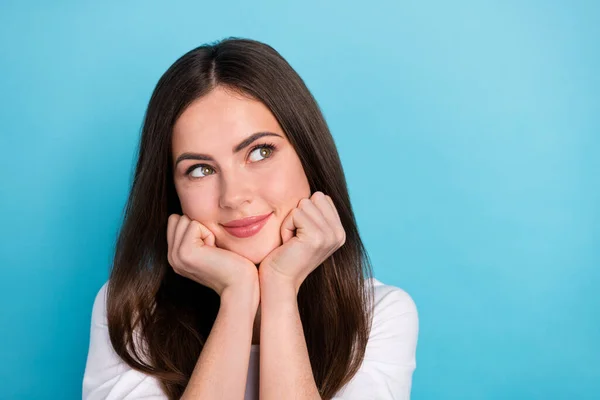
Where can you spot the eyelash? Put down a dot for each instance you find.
(269, 146)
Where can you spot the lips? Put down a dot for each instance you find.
(243, 228)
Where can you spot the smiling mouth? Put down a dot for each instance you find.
(247, 227)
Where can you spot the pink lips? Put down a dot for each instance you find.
(246, 227)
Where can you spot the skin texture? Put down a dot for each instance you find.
(303, 231)
(239, 185)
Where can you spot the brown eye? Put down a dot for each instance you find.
(262, 152)
(204, 170)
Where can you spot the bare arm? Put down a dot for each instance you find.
(284, 362)
(222, 367)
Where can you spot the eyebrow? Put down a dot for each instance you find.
(245, 143)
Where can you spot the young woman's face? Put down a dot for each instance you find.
(236, 177)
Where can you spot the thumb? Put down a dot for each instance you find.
(288, 227)
(203, 235)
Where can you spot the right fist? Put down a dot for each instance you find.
(192, 253)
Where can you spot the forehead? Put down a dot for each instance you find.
(222, 117)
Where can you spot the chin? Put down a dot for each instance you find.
(254, 254)
(257, 253)
(256, 250)
(257, 257)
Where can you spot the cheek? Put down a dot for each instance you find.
(200, 210)
(286, 185)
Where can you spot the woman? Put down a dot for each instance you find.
(239, 251)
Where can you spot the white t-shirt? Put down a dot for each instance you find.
(385, 374)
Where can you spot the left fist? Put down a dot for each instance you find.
(311, 233)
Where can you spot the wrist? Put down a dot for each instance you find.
(245, 296)
(273, 284)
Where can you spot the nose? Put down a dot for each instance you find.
(235, 190)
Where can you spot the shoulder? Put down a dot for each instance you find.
(390, 356)
(106, 375)
(395, 324)
(99, 307)
(390, 299)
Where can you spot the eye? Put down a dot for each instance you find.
(203, 168)
(263, 151)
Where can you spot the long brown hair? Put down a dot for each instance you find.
(159, 321)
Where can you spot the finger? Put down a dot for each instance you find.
(179, 232)
(313, 212)
(199, 234)
(171, 224)
(334, 208)
(326, 213)
(333, 217)
(190, 241)
(288, 228)
(306, 225)
(297, 223)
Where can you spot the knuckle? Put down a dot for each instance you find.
(179, 271)
(341, 235)
(175, 265)
(186, 253)
(175, 262)
(296, 212)
(304, 202)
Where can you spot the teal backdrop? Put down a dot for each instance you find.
(469, 133)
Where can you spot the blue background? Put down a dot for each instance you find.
(470, 136)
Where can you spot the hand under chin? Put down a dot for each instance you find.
(256, 254)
